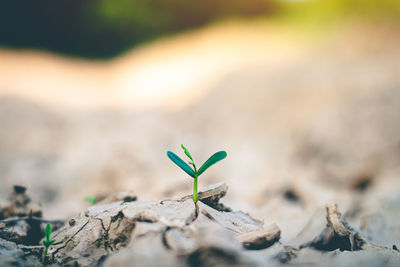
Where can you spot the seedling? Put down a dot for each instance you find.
(91, 200)
(47, 242)
(193, 172)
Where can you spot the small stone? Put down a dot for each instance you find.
(19, 189)
(286, 254)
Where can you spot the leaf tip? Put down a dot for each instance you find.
(47, 231)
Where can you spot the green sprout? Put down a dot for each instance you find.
(193, 172)
(47, 242)
(92, 200)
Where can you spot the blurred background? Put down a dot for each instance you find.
(303, 95)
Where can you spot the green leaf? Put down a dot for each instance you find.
(211, 161)
(178, 161)
(91, 200)
(187, 152)
(47, 232)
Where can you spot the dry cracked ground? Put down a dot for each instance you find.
(124, 231)
(311, 129)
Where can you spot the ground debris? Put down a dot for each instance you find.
(21, 219)
(184, 234)
(260, 239)
(13, 255)
(165, 233)
(211, 196)
(19, 205)
(120, 196)
(286, 254)
(338, 234)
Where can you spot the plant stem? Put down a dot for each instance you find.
(195, 189)
(195, 183)
(44, 254)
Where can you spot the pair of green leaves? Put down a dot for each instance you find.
(47, 232)
(193, 172)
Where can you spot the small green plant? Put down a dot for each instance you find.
(193, 172)
(47, 242)
(92, 200)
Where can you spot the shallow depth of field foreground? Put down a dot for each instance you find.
(303, 97)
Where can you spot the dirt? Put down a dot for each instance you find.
(177, 233)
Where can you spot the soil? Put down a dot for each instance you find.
(125, 231)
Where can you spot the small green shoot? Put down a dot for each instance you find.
(193, 172)
(91, 200)
(47, 242)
